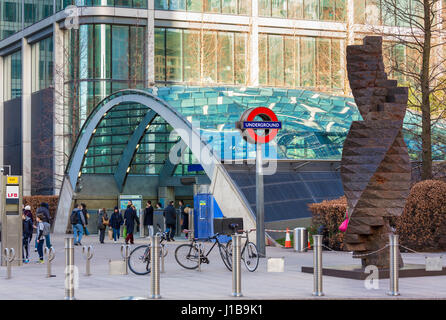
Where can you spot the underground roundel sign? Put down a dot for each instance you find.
(249, 126)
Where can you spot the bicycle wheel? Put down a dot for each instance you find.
(229, 252)
(251, 257)
(187, 256)
(224, 256)
(163, 250)
(139, 260)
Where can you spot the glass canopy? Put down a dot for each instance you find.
(314, 127)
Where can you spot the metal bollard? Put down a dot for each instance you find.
(125, 253)
(88, 254)
(236, 266)
(300, 239)
(69, 269)
(50, 255)
(394, 266)
(317, 266)
(155, 265)
(9, 256)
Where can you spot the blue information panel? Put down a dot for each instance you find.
(262, 125)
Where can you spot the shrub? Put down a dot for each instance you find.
(422, 226)
(423, 222)
(330, 214)
(35, 201)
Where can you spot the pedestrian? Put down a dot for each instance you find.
(185, 224)
(148, 218)
(129, 220)
(103, 222)
(28, 213)
(27, 228)
(86, 216)
(78, 222)
(183, 216)
(115, 223)
(45, 211)
(170, 214)
(40, 238)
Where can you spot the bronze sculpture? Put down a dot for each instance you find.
(375, 167)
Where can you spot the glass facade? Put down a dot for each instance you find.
(36, 10)
(314, 126)
(376, 12)
(323, 10)
(287, 61)
(12, 76)
(111, 137)
(42, 64)
(10, 17)
(197, 56)
(104, 58)
(108, 3)
(238, 7)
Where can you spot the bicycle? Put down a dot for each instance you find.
(249, 252)
(139, 258)
(188, 255)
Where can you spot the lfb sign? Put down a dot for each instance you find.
(249, 126)
(12, 192)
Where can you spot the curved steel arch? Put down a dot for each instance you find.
(188, 134)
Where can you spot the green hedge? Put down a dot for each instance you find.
(422, 226)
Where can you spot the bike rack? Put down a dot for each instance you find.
(50, 255)
(88, 255)
(125, 253)
(9, 254)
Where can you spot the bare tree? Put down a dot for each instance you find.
(414, 52)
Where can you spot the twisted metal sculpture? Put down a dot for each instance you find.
(375, 167)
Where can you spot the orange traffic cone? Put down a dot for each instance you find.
(287, 239)
(309, 245)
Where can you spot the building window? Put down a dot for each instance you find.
(324, 10)
(293, 61)
(196, 56)
(108, 3)
(174, 53)
(42, 64)
(104, 59)
(12, 76)
(240, 7)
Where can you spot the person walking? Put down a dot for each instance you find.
(40, 238)
(103, 222)
(115, 223)
(170, 214)
(45, 211)
(27, 228)
(129, 220)
(86, 216)
(28, 213)
(184, 216)
(148, 218)
(78, 222)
